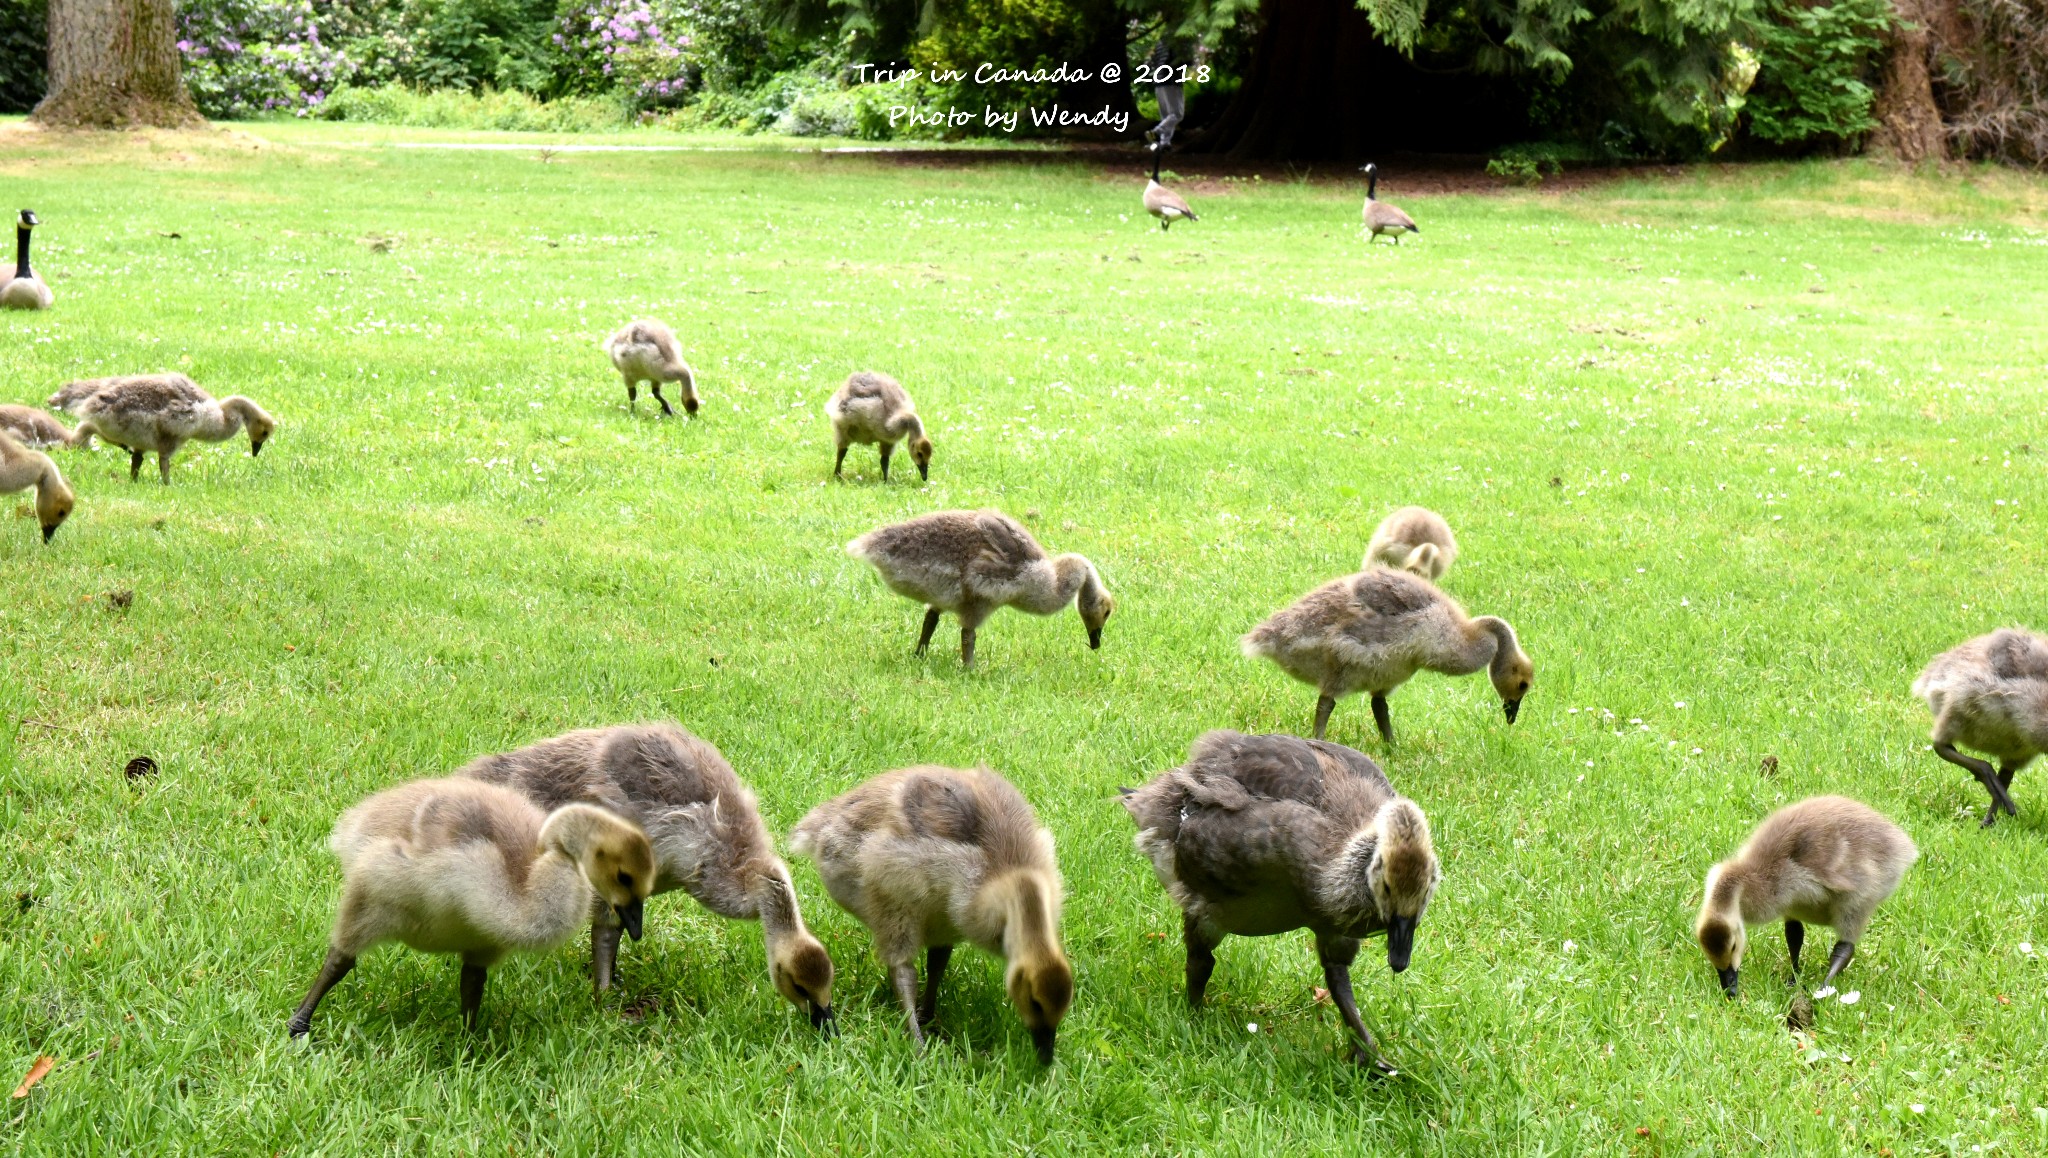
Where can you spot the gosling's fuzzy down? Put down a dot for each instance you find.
(973, 563)
(646, 351)
(1413, 539)
(24, 291)
(927, 857)
(158, 412)
(22, 468)
(1990, 694)
(1381, 217)
(706, 829)
(32, 428)
(1827, 860)
(461, 866)
(1258, 835)
(1371, 631)
(873, 408)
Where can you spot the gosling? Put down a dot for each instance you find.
(1990, 694)
(1259, 835)
(32, 428)
(1415, 540)
(706, 829)
(646, 351)
(973, 563)
(460, 866)
(1162, 202)
(24, 291)
(1373, 630)
(874, 408)
(931, 856)
(158, 412)
(22, 468)
(1827, 860)
(1381, 217)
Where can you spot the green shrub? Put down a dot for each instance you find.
(1817, 63)
(22, 53)
(394, 104)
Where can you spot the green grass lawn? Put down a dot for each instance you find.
(1736, 452)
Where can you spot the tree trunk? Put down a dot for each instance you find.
(114, 64)
(1908, 121)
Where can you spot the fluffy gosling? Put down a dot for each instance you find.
(926, 857)
(1990, 694)
(974, 563)
(22, 468)
(706, 829)
(1373, 630)
(1827, 860)
(1415, 540)
(460, 866)
(646, 351)
(32, 428)
(1259, 835)
(874, 408)
(158, 412)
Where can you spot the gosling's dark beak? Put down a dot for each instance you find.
(1513, 708)
(1042, 1037)
(924, 472)
(630, 915)
(1400, 943)
(690, 406)
(255, 448)
(1728, 981)
(1095, 639)
(824, 1020)
(49, 532)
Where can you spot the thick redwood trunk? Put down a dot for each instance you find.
(114, 64)
(1908, 121)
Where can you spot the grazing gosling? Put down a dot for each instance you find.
(1373, 630)
(32, 428)
(874, 408)
(705, 826)
(460, 866)
(24, 291)
(646, 351)
(928, 856)
(1162, 202)
(158, 412)
(1381, 217)
(1258, 835)
(973, 563)
(1827, 860)
(1990, 694)
(22, 468)
(1415, 540)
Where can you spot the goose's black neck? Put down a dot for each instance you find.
(1372, 183)
(21, 250)
(1155, 164)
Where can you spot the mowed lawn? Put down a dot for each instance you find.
(1736, 451)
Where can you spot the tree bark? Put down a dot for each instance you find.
(114, 65)
(1908, 121)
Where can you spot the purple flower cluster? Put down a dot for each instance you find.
(247, 56)
(621, 45)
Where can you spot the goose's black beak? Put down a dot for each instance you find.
(630, 916)
(924, 472)
(49, 532)
(1513, 708)
(1042, 1038)
(1400, 943)
(255, 448)
(1095, 639)
(28, 217)
(1728, 981)
(824, 1020)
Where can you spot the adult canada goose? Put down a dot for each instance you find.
(1381, 217)
(1413, 539)
(1990, 694)
(158, 412)
(24, 291)
(646, 351)
(461, 866)
(22, 468)
(1827, 860)
(927, 857)
(1162, 202)
(32, 428)
(706, 829)
(874, 408)
(973, 563)
(1371, 631)
(1258, 835)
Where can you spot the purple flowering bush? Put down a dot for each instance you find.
(243, 58)
(633, 48)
